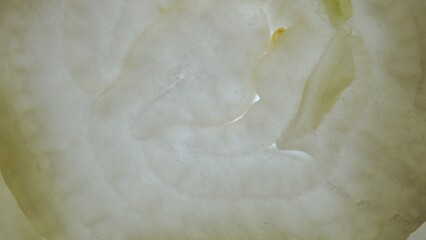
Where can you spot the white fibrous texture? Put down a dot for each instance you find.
(212, 119)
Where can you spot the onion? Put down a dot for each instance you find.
(244, 119)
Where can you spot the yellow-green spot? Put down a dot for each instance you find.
(339, 11)
(276, 35)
